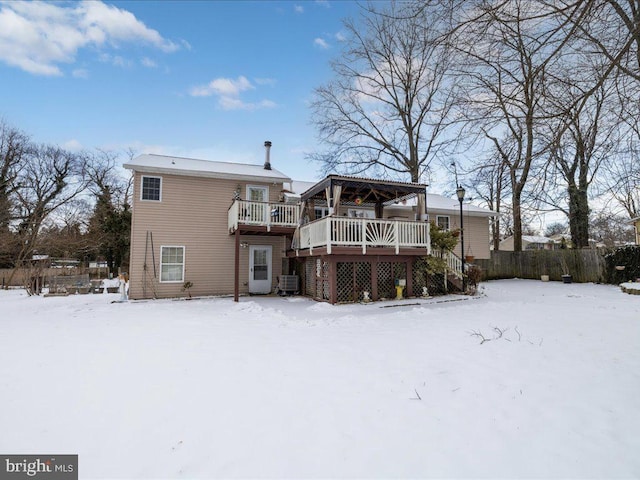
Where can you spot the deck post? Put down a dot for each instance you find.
(236, 269)
(397, 237)
(363, 235)
(333, 280)
(374, 279)
(410, 278)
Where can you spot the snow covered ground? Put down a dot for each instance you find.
(289, 388)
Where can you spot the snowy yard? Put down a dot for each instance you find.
(289, 388)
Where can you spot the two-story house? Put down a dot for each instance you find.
(231, 228)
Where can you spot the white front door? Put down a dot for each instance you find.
(260, 269)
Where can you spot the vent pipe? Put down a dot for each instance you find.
(267, 163)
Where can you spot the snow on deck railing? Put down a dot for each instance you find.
(262, 214)
(363, 232)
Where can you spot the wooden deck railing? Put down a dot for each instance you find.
(262, 214)
(454, 263)
(363, 232)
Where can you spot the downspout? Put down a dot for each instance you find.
(236, 283)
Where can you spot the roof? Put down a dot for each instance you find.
(441, 204)
(447, 204)
(152, 163)
(532, 239)
(368, 190)
(435, 202)
(536, 239)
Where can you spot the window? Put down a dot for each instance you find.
(257, 193)
(442, 222)
(151, 187)
(360, 213)
(321, 212)
(172, 264)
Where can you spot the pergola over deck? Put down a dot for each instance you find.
(337, 190)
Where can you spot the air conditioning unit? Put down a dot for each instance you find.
(288, 284)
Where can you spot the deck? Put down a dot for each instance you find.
(263, 217)
(337, 235)
(370, 236)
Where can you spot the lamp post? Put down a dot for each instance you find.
(460, 192)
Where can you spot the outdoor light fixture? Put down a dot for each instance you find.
(460, 192)
(244, 244)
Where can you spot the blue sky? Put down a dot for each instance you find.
(204, 79)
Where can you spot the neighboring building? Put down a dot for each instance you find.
(233, 228)
(636, 226)
(530, 242)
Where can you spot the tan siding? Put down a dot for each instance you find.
(193, 214)
(476, 228)
(476, 238)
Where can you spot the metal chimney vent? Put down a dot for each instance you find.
(267, 163)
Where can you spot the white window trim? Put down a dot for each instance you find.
(324, 210)
(448, 221)
(142, 188)
(260, 187)
(184, 261)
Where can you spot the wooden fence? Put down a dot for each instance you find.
(587, 265)
(45, 274)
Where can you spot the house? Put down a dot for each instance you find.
(530, 242)
(636, 226)
(236, 228)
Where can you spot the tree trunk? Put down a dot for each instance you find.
(578, 216)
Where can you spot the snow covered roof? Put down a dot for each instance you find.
(152, 163)
(537, 239)
(446, 204)
(440, 203)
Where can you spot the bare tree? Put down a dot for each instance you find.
(13, 145)
(612, 28)
(490, 182)
(110, 223)
(587, 138)
(49, 177)
(388, 109)
(511, 50)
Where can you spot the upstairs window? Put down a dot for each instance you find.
(151, 188)
(443, 222)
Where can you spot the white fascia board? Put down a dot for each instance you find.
(201, 174)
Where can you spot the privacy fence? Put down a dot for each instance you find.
(22, 275)
(589, 265)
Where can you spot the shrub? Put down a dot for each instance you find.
(627, 257)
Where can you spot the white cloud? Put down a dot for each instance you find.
(80, 73)
(222, 86)
(340, 37)
(228, 92)
(298, 8)
(115, 60)
(231, 103)
(38, 36)
(147, 62)
(320, 43)
(265, 81)
(72, 145)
